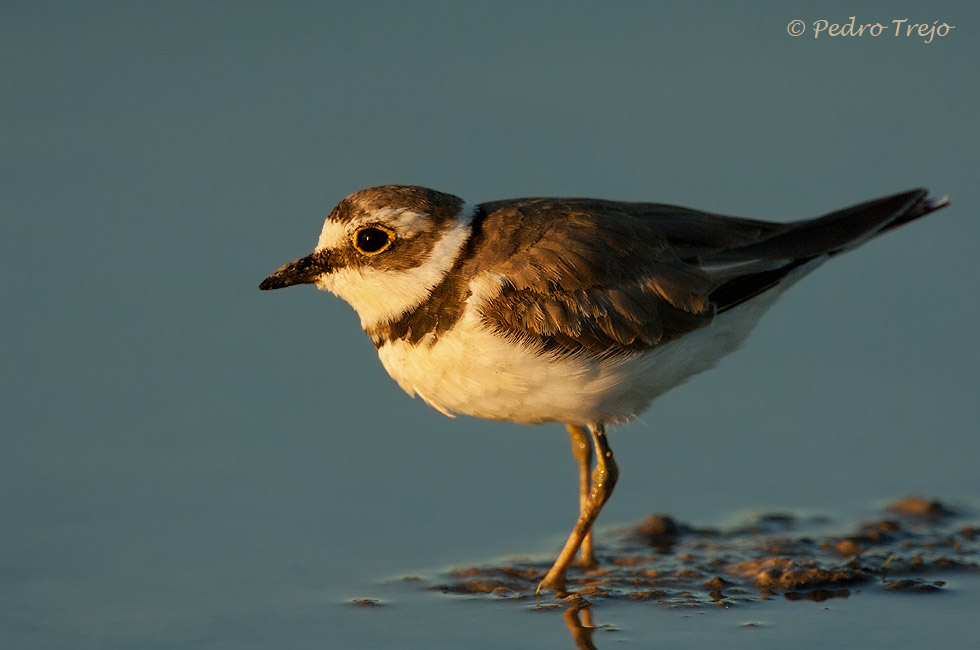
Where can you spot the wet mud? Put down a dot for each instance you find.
(913, 547)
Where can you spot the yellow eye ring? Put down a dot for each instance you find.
(372, 240)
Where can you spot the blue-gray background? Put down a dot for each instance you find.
(188, 462)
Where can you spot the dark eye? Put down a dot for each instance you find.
(371, 240)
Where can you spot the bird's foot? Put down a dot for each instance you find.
(555, 584)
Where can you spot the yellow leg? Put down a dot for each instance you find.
(603, 481)
(582, 450)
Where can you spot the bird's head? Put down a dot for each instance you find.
(383, 250)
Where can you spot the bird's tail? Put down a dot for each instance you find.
(841, 230)
(775, 257)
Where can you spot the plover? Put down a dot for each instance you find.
(577, 311)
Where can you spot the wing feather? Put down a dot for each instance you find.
(587, 277)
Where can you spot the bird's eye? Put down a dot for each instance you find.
(372, 240)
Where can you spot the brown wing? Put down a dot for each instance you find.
(589, 276)
(598, 276)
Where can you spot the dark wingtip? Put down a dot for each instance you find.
(930, 204)
(920, 205)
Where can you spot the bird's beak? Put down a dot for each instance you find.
(304, 271)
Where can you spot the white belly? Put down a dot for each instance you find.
(470, 370)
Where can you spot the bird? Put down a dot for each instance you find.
(569, 310)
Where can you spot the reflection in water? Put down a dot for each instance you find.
(817, 595)
(583, 629)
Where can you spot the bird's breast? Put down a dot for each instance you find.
(474, 371)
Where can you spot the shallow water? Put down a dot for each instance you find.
(904, 581)
(894, 621)
(206, 543)
(913, 543)
(899, 621)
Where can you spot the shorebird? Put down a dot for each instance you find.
(577, 311)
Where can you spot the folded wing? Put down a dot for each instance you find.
(582, 276)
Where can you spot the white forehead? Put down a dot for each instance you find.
(406, 223)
